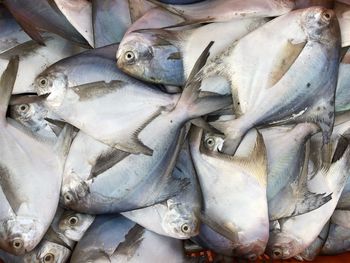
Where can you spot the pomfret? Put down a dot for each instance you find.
(301, 61)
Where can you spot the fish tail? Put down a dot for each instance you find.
(191, 102)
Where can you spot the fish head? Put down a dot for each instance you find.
(29, 114)
(73, 189)
(181, 221)
(21, 235)
(50, 82)
(48, 252)
(213, 142)
(320, 24)
(283, 245)
(151, 59)
(73, 225)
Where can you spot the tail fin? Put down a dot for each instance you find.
(190, 100)
(7, 82)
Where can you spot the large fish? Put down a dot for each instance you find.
(177, 217)
(293, 237)
(338, 240)
(79, 14)
(225, 10)
(234, 193)
(167, 56)
(116, 239)
(27, 163)
(111, 191)
(278, 81)
(39, 15)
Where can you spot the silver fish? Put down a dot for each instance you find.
(225, 182)
(46, 251)
(293, 237)
(117, 239)
(177, 217)
(257, 96)
(22, 172)
(146, 174)
(167, 56)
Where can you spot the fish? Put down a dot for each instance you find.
(258, 97)
(25, 222)
(342, 102)
(299, 4)
(38, 15)
(179, 216)
(35, 58)
(225, 182)
(79, 14)
(337, 240)
(145, 187)
(167, 56)
(33, 116)
(293, 237)
(225, 10)
(114, 238)
(12, 34)
(46, 251)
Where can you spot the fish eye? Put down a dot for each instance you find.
(185, 228)
(326, 15)
(252, 257)
(129, 56)
(210, 142)
(73, 220)
(23, 108)
(48, 258)
(17, 243)
(43, 82)
(277, 252)
(68, 197)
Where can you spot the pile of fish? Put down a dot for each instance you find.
(146, 131)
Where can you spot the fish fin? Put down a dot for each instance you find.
(132, 241)
(64, 142)
(7, 82)
(58, 123)
(287, 57)
(54, 6)
(231, 233)
(32, 31)
(190, 99)
(342, 145)
(256, 162)
(106, 161)
(175, 56)
(309, 201)
(26, 99)
(189, 23)
(23, 49)
(233, 134)
(199, 122)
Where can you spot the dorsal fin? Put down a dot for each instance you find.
(7, 82)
